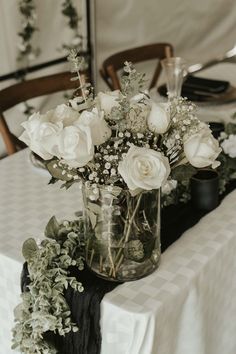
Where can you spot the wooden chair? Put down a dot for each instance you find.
(21, 92)
(114, 63)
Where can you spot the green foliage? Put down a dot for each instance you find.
(230, 128)
(60, 171)
(183, 172)
(132, 81)
(226, 170)
(69, 10)
(43, 307)
(29, 249)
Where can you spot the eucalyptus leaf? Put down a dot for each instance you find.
(52, 228)
(68, 184)
(29, 249)
(95, 208)
(60, 172)
(183, 172)
(92, 218)
(116, 191)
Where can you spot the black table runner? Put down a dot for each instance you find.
(85, 306)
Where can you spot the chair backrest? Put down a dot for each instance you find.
(115, 62)
(21, 92)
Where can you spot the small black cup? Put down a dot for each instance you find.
(216, 128)
(205, 189)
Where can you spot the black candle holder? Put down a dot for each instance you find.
(216, 128)
(205, 190)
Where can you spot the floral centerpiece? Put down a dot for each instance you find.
(121, 147)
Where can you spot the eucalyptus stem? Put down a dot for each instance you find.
(100, 264)
(119, 263)
(130, 220)
(91, 257)
(113, 271)
(81, 86)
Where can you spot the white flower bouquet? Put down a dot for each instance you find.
(124, 147)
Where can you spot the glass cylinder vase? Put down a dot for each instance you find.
(122, 232)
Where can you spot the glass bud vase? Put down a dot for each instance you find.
(122, 232)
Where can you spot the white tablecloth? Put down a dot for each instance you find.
(188, 306)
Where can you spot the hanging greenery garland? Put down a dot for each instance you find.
(27, 52)
(69, 10)
(27, 9)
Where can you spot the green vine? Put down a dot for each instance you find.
(27, 52)
(70, 12)
(43, 307)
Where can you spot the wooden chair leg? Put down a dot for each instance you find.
(7, 136)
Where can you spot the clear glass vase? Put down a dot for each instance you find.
(122, 232)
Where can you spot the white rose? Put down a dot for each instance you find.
(41, 135)
(100, 131)
(202, 149)
(75, 146)
(64, 114)
(159, 118)
(144, 169)
(229, 146)
(108, 100)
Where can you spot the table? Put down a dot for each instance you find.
(188, 306)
